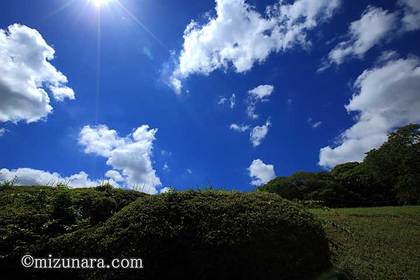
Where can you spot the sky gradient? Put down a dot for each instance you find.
(229, 94)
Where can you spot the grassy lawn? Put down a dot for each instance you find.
(375, 243)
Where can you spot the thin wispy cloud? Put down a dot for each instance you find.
(239, 127)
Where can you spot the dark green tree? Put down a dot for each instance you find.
(396, 165)
(388, 175)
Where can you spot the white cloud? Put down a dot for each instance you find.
(256, 95)
(189, 171)
(176, 84)
(250, 111)
(260, 172)
(387, 56)
(166, 166)
(27, 76)
(316, 124)
(239, 128)
(232, 101)
(223, 100)
(386, 97)
(114, 175)
(81, 179)
(261, 92)
(130, 155)
(100, 140)
(411, 18)
(2, 131)
(240, 36)
(29, 176)
(165, 190)
(258, 133)
(60, 93)
(313, 123)
(372, 28)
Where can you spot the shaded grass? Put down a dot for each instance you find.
(374, 243)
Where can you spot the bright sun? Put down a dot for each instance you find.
(99, 3)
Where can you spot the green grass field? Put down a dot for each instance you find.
(375, 243)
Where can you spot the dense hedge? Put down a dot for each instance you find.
(206, 235)
(193, 235)
(31, 216)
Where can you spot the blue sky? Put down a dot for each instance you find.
(132, 63)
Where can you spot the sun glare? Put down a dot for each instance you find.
(99, 3)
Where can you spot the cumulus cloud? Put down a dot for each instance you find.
(411, 18)
(239, 36)
(261, 92)
(256, 95)
(28, 79)
(371, 29)
(33, 177)
(114, 175)
(99, 140)
(130, 156)
(2, 131)
(386, 97)
(258, 133)
(260, 172)
(239, 127)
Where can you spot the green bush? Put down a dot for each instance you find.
(306, 186)
(31, 216)
(205, 235)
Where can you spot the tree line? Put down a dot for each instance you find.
(389, 175)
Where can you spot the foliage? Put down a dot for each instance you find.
(395, 166)
(30, 216)
(389, 175)
(194, 234)
(305, 186)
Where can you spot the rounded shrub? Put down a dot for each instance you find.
(208, 235)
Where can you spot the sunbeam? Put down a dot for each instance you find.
(99, 3)
(136, 20)
(98, 66)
